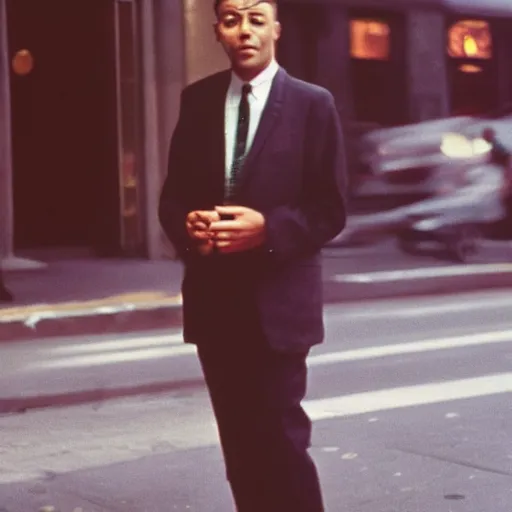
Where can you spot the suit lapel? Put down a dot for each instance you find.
(270, 115)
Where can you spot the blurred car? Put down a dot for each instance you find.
(468, 199)
(401, 160)
(457, 218)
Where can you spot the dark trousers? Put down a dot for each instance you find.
(264, 432)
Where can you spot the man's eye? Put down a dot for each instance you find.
(258, 21)
(229, 22)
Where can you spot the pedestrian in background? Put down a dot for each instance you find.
(502, 157)
(255, 189)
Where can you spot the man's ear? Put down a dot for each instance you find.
(277, 30)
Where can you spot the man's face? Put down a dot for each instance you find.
(248, 31)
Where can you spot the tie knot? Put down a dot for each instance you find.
(246, 89)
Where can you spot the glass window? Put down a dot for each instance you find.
(470, 39)
(369, 39)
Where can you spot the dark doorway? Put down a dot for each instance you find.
(474, 90)
(66, 191)
(377, 67)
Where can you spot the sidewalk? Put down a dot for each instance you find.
(91, 296)
(108, 296)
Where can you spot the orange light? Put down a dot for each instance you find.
(470, 46)
(23, 62)
(470, 68)
(369, 39)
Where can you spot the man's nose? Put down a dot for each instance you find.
(245, 28)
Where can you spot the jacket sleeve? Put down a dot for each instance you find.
(293, 232)
(172, 209)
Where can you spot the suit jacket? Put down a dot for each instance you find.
(294, 174)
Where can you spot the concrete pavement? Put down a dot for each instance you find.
(107, 296)
(410, 402)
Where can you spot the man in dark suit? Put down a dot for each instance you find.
(255, 188)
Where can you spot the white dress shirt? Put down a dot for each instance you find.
(258, 97)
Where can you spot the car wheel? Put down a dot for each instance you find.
(465, 243)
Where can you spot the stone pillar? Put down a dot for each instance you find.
(6, 193)
(333, 57)
(170, 69)
(163, 78)
(152, 155)
(203, 54)
(427, 77)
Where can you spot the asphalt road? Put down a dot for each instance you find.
(411, 402)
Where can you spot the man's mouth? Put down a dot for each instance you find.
(244, 49)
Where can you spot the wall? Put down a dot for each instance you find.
(426, 65)
(203, 54)
(6, 206)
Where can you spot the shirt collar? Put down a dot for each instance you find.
(260, 83)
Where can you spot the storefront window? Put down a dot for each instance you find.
(470, 39)
(369, 39)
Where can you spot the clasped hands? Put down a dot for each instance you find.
(245, 231)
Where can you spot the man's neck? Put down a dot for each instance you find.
(247, 75)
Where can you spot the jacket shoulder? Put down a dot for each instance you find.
(209, 83)
(308, 91)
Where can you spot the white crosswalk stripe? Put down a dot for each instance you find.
(133, 343)
(412, 348)
(172, 346)
(409, 396)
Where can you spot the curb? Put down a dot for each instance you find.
(46, 324)
(164, 314)
(66, 399)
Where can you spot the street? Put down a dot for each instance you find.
(410, 400)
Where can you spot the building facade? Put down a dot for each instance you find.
(89, 98)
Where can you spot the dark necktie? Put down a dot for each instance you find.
(242, 130)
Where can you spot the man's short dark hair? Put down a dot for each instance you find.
(216, 4)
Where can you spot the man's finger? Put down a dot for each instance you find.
(200, 235)
(227, 225)
(199, 226)
(207, 216)
(192, 217)
(231, 210)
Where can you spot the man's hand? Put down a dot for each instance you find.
(198, 227)
(246, 231)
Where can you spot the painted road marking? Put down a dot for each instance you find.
(409, 396)
(143, 349)
(121, 344)
(405, 308)
(411, 348)
(424, 273)
(113, 358)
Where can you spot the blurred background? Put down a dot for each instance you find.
(90, 94)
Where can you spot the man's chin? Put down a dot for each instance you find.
(246, 63)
